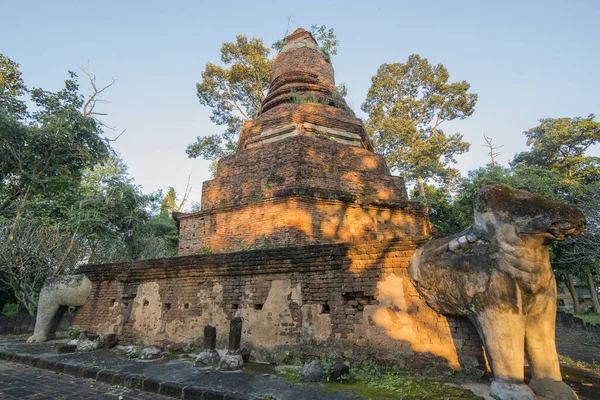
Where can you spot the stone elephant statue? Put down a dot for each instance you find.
(56, 295)
(498, 274)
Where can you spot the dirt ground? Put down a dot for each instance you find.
(580, 360)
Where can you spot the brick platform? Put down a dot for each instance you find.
(356, 301)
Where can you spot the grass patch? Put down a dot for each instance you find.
(290, 375)
(11, 310)
(306, 98)
(572, 363)
(400, 387)
(372, 383)
(595, 367)
(593, 319)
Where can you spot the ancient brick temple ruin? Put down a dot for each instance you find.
(303, 233)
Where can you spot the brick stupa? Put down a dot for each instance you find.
(310, 238)
(305, 172)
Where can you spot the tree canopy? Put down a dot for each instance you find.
(561, 144)
(406, 105)
(43, 159)
(65, 196)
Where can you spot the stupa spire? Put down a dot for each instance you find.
(303, 100)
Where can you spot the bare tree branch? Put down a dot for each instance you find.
(492, 147)
(89, 105)
(186, 194)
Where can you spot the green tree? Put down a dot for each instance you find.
(116, 221)
(11, 87)
(43, 158)
(169, 203)
(235, 91)
(580, 257)
(65, 197)
(549, 183)
(560, 144)
(406, 105)
(29, 253)
(442, 213)
(167, 206)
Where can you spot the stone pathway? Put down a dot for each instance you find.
(61, 376)
(19, 381)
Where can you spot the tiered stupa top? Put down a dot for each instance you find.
(303, 100)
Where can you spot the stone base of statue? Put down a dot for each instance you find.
(208, 358)
(231, 362)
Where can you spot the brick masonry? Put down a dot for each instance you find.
(300, 191)
(354, 300)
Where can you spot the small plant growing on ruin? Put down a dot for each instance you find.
(328, 362)
(205, 250)
(325, 137)
(256, 197)
(369, 190)
(74, 331)
(298, 98)
(274, 180)
(133, 354)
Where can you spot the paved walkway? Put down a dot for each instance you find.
(19, 381)
(64, 376)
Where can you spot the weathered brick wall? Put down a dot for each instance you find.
(300, 191)
(301, 162)
(353, 300)
(297, 221)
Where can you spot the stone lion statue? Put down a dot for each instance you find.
(58, 293)
(498, 274)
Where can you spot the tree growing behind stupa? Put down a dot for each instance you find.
(406, 105)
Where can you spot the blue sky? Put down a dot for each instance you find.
(526, 60)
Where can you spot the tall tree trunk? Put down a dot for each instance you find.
(592, 286)
(574, 295)
(421, 187)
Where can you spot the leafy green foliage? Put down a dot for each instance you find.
(325, 37)
(12, 310)
(372, 382)
(442, 213)
(549, 183)
(43, 160)
(29, 253)
(306, 98)
(116, 220)
(560, 144)
(558, 148)
(327, 362)
(327, 40)
(406, 105)
(65, 198)
(233, 92)
(11, 87)
(167, 206)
